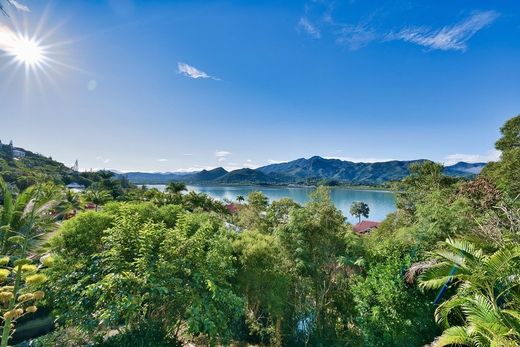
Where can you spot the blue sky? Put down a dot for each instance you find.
(186, 85)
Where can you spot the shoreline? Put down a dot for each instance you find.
(271, 186)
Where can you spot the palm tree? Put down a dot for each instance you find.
(240, 198)
(33, 207)
(176, 187)
(98, 196)
(70, 204)
(486, 302)
(23, 220)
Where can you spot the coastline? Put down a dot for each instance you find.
(259, 185)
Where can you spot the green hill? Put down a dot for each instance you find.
(23, 168)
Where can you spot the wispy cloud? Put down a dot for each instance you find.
(19, 6)
(305, 25)
(237, 166)
(162, 160)
(104, 160)
(361, 159)
(356, 36)
(194, 168)
(193, 72)
(371, 28)
(449, 37)
(222, 155)
(492, 155)
(272, 161)
(249, 164)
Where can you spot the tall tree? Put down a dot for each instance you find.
(506, 172)
(314, 238)
(359, 209)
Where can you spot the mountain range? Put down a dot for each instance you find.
(305, 171)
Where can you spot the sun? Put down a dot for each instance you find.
(33, 51)
(26, 50)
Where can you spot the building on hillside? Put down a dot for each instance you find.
(76, 187)
(18, 153)
(365, 226)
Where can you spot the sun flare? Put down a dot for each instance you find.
(27, 51)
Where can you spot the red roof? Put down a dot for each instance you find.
(365, 226)
(231, 208)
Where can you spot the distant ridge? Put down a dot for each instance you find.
(306, 171)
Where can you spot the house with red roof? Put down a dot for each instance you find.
(365, 226)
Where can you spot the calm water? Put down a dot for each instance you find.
(380, 202)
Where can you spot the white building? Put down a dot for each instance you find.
(75, 187)
(18, 153)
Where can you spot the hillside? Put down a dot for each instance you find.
(23, 168)
(247, 176)
(306, 171)
(206, 175)
(342, 171)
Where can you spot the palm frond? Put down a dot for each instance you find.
(513, 313)
(454, 258)
(465, 248)
(8, 205)
(501, 260)
(20, 207)
(482, 314)
(437, 275)
(418, 268)
(454, 336)
(443, 310)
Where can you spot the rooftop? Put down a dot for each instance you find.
(365, 226)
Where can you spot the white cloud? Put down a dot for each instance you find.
(187, 154)
(192, 72)
(272, 161)
(371, 29)
(7, 38)
(356, 36)
(106, 161)
(222, 153)
(249, 164)
(361, 159)
(19, 6)
(311, 29)
(162, 159)
(195, 168)
(492, 155)
(450, 37)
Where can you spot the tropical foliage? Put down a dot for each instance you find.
(135, 266)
